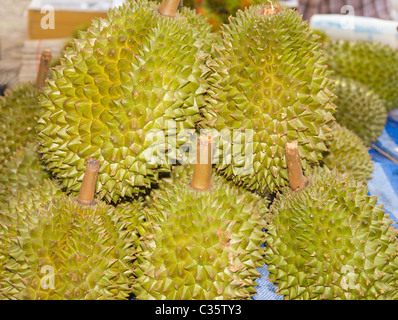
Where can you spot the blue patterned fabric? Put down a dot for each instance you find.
(384, 183)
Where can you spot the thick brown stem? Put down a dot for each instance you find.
(169, 7)
(44, 66)
(87, 189)
(201, 178)
(297, 181)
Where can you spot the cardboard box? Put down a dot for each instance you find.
(54, 19)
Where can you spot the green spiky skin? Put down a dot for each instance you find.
(373, 64)
(17, 208)
(88, 248)
(269, 76)
(200, 244)
(136, 71)
(22, 171)
(348, 154)
(331, 241)
(132, 213)
(323, 37)
(360, 110)
(18, 117)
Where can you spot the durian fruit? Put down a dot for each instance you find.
(372, 64)
(19, 110)
(330, 240)
(22, 171)
(69, 43)
(269, 78)
(70, 248)
(323, 37)
(218, 12)
(200, 242)
(360, 109)
(14, 210)
(137, 74)
(348, 154)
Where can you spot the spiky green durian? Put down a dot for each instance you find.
(269, 79)
(18, 117)
(138, 74)
(132, 213)
(348, 154)
(22, 171)
(373, 64)
(68, 251)
(359, 109)
(331, 241)
(323, 37)
(15, 209)
(200, 244)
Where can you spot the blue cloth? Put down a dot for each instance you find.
(384, 183)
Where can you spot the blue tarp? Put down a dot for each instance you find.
(384, 184)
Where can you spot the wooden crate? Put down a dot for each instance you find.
(68, 15)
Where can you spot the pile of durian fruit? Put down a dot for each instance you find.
(85, 215)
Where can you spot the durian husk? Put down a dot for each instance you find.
(331, 241)
(88, 251)
(268, 75)
(372, 64)
(130, 75)
(348, 154)
(23, 171)
(19, 110)
(360, 109)
(200, 244)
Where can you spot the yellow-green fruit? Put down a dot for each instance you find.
(200, 244)
(331, 241)
(270, 82)
(373, 64)
(18, 116)
(323, 37)
(360, 109)
(23, 171)
(348, 154)
(132, 214)
(68, 251)
(121, 95)
(14, 210)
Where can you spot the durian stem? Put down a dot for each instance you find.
(87, 189)
(297, 181)
(169, 7)
(44, 66)
(201, 179)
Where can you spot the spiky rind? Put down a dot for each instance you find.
(359, 109)
(200, 244)
(16, 209)
(18, 116)
(22, 171)
(130, 76)
(269, 76)
(373, 64)
(348, 154)
(67, 251)
(331, 241)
